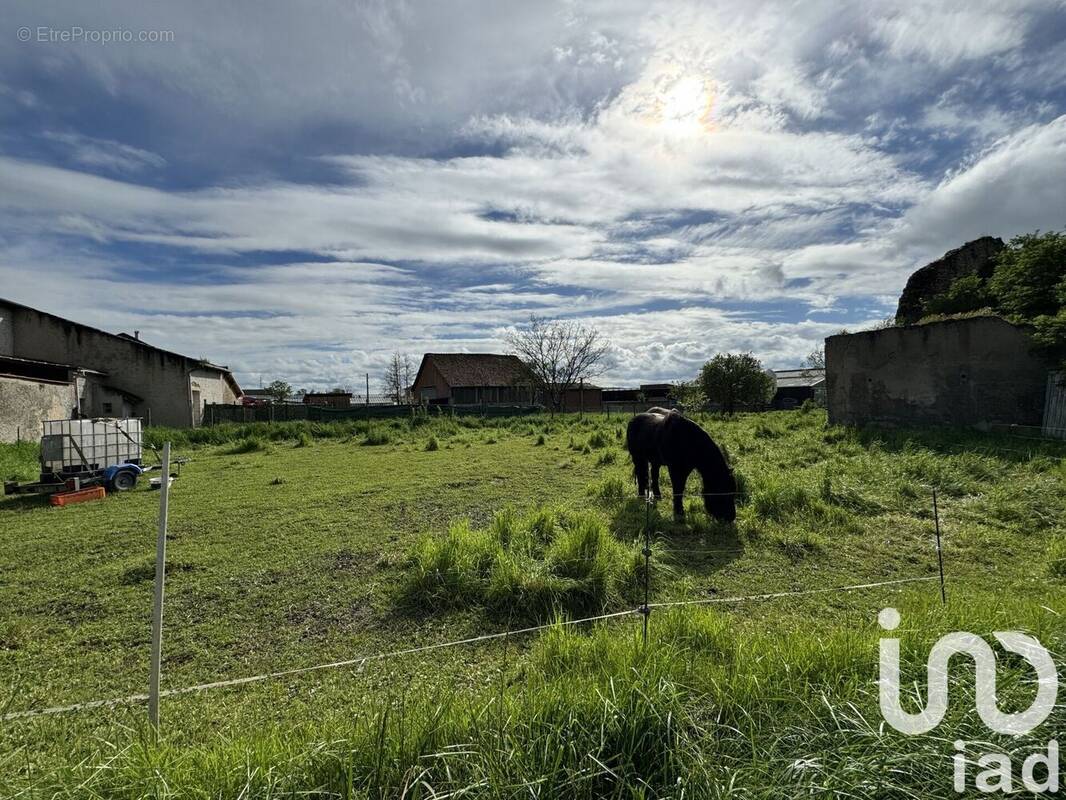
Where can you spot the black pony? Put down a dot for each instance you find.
(661, 436)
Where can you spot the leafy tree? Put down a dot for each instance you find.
(1030, 276)
(690, 394)
(280, 391)
(736, 380)
(559, 355)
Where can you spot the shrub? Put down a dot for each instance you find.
(303, 439)
(432, 445)
(541, 441)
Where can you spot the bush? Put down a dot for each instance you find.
(303, 439)
(432, 445)
(530, 567)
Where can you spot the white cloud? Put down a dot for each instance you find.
(104, 153)
(638, 164)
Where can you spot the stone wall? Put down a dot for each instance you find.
(965, 372)
(25, 404)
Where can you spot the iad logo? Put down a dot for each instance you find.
(997, 775)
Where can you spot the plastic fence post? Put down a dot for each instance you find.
(646, 609)
(939, 550)
(157, 603)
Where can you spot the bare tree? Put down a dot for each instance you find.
(815, 359)
(560, 354)
(399, 377)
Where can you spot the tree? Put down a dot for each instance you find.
(280, 391)
(736, 380)
(966, 294)
(1030, 274)
(559, 354)
(399, 377)
(816, 358)
(690, 395)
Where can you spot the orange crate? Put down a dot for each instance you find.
(80, 496)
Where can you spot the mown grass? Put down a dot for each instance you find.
(286, 556)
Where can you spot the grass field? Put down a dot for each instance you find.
(292, 545)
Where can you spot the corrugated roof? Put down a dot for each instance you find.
(477, 369)
(787, 378)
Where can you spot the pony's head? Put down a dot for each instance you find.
(720, 499)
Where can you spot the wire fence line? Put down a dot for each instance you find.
(357, 661)
(644, 610)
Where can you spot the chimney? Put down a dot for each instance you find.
(137, 335)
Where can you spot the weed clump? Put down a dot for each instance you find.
(1056, 557)
(432, 445)
(531, 567)
(249, 444)
(376, 437)
(303, 439)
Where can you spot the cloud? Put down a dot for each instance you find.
(690, 177)
(104, 153)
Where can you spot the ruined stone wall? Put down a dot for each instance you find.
(965, 372)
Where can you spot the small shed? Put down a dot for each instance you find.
(795, 386)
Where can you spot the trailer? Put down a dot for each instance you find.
(80, 453)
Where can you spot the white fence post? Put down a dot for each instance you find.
(157, 604)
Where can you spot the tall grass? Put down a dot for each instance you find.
(708, 709)
(526, 567)
(19, 461)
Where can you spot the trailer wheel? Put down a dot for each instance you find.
(124, 481)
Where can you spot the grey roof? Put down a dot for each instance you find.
(791, 378)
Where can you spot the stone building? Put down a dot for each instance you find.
(53, 368)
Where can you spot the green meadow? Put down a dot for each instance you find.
(292, 545)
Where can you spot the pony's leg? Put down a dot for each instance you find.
(640, 469)
(655, 466)
(678, 478)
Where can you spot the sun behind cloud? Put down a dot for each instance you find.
(685, 106)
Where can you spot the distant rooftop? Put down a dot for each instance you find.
(787, 378)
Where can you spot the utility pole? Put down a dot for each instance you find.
(368, 390)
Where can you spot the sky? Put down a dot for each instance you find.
(300, 190)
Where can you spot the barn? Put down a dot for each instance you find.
(472, 379)
(52, 365)
(796, 386)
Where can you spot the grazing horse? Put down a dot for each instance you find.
(661, 436)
